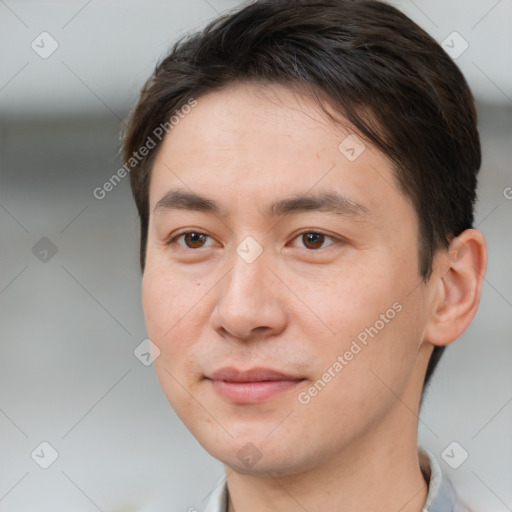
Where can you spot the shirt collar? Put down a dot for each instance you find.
(441, 496)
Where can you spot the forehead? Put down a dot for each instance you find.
(253, 142)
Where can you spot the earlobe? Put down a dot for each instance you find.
(459, 283)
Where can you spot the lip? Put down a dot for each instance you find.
(259, 374)
(251, 386)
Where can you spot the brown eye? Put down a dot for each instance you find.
(190, 240)
(313, 240)
(194, 240)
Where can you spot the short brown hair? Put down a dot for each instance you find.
(380, 71)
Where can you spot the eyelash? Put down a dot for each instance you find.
(173, 240)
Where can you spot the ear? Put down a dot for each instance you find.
(457, 286)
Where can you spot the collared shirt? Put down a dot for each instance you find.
(441, 496)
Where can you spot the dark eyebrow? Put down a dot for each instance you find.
(331, 202)
(177, 199)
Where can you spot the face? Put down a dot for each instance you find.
(281, 284)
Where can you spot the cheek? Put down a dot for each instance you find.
(171, 322)
(157, 303)
(369, 320)
(169, 300)
(171, 315)
(342, 305)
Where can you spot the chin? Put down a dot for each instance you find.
(255, 455)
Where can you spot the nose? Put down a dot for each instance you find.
(249, 302)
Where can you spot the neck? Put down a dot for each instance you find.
(376, 472)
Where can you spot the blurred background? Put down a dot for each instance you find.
(70, 314)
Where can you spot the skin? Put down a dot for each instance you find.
(298, 306)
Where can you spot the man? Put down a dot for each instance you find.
(305, 175)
